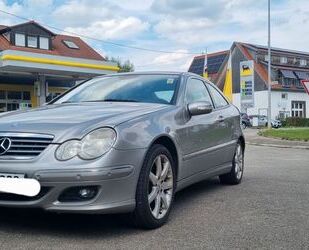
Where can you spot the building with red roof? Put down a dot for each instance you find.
(36, 64)
(288, 69)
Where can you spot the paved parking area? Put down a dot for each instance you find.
(269, 210)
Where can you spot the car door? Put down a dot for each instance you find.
(225, 126)
(198, 133)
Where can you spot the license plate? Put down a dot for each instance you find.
(19, 185)
(16, 176)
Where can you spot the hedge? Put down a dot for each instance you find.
(296, 122)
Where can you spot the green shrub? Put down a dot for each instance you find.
(296, 122)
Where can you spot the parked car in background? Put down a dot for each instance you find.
(121, 143)
(263, 121)
(245, 120)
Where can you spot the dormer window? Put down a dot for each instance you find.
(32, 41)
(20, 39)
(70, 44)
(44, 43)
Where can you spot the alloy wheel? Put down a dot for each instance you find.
(239, 162)
(160, 188)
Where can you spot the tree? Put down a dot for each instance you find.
(126, 66)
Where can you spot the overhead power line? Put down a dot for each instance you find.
(100, 40)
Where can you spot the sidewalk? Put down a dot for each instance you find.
(252, 138)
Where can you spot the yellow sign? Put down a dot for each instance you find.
(246, 70)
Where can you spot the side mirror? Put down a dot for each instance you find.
(199, 108)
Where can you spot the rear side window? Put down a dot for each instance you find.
(217, 97)
(197, 91)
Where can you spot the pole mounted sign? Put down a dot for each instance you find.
(306, 85)
(247, 84)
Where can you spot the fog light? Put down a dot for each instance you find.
(87, 193)
(75, 194)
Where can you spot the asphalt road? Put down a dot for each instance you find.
(269, 210)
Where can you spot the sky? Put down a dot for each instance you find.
(179, 26)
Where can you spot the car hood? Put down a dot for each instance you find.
(73, 120)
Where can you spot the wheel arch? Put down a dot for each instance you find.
(169, 143)
(241, 139)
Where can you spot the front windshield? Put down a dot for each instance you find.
(125, 88)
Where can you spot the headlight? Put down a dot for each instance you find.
(97, 143)
(68, 150)
(92, 146)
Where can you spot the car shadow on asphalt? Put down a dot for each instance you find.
(33, 221)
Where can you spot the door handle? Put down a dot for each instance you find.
(220, 118)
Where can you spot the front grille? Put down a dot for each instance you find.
(25, 145)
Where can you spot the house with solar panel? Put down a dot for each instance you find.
(242, 74)
(37, 64)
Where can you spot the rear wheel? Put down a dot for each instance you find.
(235, 176)
(155, 189)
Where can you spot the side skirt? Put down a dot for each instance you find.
(218, 170)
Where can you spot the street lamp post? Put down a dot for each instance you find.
(269, 71)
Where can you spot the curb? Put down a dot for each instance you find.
(277, 146)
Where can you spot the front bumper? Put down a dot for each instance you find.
(115, 174)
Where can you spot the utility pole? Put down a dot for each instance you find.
(269, 72)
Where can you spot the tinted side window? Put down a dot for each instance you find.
(217, 97)
(197, 91)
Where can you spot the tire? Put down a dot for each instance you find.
(235, 176)
(155, 196)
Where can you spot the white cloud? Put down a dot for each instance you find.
(15, 8)
(112, 29)
(80, 13)
(38, 3)
(193, 8)
(165, 62)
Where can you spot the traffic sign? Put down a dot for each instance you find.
(306, 85)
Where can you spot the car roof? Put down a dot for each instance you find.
(180, 73)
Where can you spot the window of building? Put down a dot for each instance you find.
(283, 59)
(14, 95)
(283, 114)
(266, 58)
(197, 92)
(217, 98)
(44, 43)
(2, 94)
(70, 44)
(32, 41)
(284, 96)
(26, 96)
(20, 39)
(298, 109)
(2, 107)
(12, 106)
(303, 62)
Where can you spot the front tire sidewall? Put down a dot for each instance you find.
(142, 214)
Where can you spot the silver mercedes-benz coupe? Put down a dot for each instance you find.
(122, 143)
